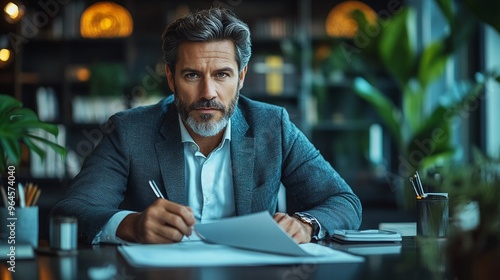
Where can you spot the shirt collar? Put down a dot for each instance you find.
(186, 137)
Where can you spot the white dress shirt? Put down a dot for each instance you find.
(209, 180)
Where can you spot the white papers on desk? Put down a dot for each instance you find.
(254, 239)
(405, 229)
(256, 231)
(198, 253)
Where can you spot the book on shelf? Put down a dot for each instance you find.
(53, 166)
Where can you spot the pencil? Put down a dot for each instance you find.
(36, 197)
(32, 190)
(29, 193)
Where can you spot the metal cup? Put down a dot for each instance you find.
(63, 233)
(432, 215)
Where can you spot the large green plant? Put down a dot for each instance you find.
(422, 135)
(17, 125)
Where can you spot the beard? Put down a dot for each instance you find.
(207, 126)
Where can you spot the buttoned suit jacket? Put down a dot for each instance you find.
(267, 149)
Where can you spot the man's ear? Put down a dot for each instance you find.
(242, 76)
(170, 78)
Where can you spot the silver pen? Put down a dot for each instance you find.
(155, 189)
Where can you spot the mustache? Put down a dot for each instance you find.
(204, 103)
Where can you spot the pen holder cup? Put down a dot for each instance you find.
(432, 215)
(19, 226)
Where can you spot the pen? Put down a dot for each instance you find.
(419, 184)
(22, 200)
(414, 187)
(155, 189)
(158, 194)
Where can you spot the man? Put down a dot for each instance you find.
(212, 153)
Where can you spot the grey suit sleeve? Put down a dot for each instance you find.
(314, 183)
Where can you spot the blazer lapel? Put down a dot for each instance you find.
(171, 158)
(242, 157)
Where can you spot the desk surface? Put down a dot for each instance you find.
(407, 262)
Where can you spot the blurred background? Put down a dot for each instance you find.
(382, 88)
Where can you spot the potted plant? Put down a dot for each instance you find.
(473, 247)
(17, 124)
(422, 136)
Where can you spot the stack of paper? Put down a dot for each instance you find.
(254, 239)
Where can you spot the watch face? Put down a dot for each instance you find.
(303, 219)
(309, 221)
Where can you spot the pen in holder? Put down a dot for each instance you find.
(432, 210)
(19, 226)
(432, 215)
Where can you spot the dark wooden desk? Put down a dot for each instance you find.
(409, 264)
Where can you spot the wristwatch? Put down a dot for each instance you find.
(310, 220)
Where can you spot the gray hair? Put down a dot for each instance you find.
(213, 24)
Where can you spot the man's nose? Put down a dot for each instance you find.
(208, 90)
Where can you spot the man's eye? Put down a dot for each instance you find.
(191, 75)
(221, 75)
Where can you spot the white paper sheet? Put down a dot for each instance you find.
(254, 239)
(199, 253)
(256, 231)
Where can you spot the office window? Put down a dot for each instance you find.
(492, 93)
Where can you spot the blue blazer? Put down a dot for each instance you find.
(266, 149)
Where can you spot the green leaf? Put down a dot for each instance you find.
(413, 101)
(367, 42)
(387, 111)
(16, 124)
(432, 63)
(437, 159)
(31, 125)
(12, 149)
(56, 147)
(7, 104)
(396, 47)
(35, 148)
(435, 134)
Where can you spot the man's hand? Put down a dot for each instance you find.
(298, 230)
(162, 222)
